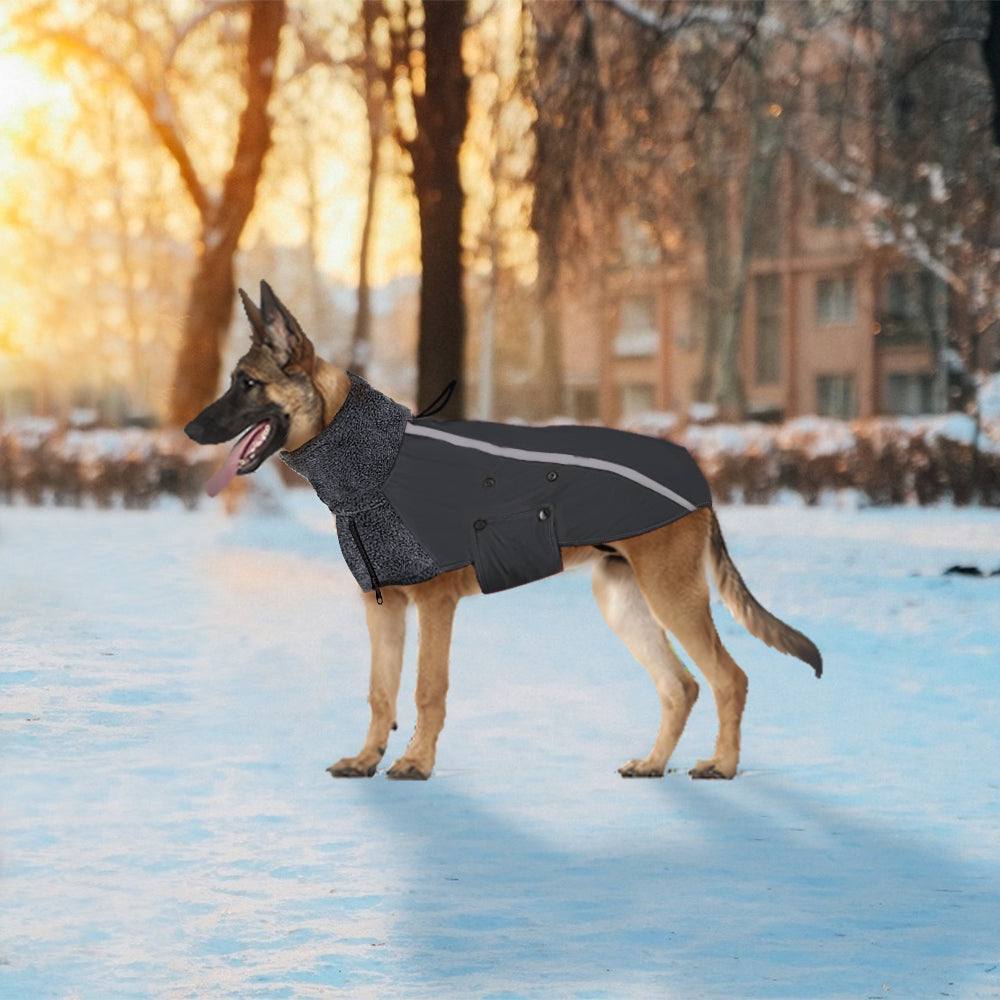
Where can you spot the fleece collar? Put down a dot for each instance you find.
(349, 460)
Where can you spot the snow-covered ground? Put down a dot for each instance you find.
(172, 686)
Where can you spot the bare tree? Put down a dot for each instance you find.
(570, 101)
(210, 302)
(924, 188)
(431, 92)
(374, 92)
(635, 119)
(991, 57)
(221, 216)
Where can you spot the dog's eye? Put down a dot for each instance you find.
(247, 383)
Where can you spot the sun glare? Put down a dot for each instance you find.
(24, 86)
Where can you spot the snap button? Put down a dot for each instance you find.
(543, 514)
(489, 481)
(552, 475)
(479, 524)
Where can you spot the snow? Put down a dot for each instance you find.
(31, 430)
(107, 445)
(702, 412)
(816, 435)
(934, 173)
(712, 440)
(83, 417)
(989, 399)
(172, 686)
(959, 427)
(657, 423)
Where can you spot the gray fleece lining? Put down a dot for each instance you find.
(346, 464)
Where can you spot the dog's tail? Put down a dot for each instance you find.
(750, 613)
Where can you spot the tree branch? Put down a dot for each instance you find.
(156, 106)
(666, 27)
(905, 239)
(194, 22)
(253, 137)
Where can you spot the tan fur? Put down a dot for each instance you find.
(748, 611)
(655, 583)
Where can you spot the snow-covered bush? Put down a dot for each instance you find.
(42, 461)
(921, 460)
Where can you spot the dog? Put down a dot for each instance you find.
(282, 397)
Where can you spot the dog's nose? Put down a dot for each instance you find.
(195, 431)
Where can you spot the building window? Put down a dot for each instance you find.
(767, 293)
(638, 332)
(907, 298)
(834, 300)
(910, 394)
(835, 396)
(831, 206)
(899, 302)
(635, 398)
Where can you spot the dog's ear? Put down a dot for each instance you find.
(255, 316)
(282, 335)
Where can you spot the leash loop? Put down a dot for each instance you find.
(440, 403)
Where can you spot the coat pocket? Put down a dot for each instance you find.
(515, 548)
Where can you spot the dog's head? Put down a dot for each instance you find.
(272, 394)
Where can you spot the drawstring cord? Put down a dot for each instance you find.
(368, 562)
(440, 403)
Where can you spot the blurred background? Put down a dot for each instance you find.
(769, 230)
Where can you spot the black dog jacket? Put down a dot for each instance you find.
(414, 498)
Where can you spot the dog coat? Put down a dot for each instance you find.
(415, 497)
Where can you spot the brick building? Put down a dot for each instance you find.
(830, 326)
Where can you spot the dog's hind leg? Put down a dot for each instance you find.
(387, 632)
(669, 566)
(627, 613)
(436, 614)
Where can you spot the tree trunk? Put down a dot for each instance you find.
(548, 211)
(991, 56)
(126, 264)
(319, 330)
(711, 210)
(374, 101)
(210, 302)
(765, 145)
(442, 114)
(550, 372)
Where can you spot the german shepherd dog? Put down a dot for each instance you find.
(281, 394)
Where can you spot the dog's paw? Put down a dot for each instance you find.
(362, 766)
(641, 768)
(407, 769)
(714, 768)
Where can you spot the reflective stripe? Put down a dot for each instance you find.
(552, 457)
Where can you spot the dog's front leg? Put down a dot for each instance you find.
(387, 632)
(436, 614)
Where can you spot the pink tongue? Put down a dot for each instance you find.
(224, 474)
